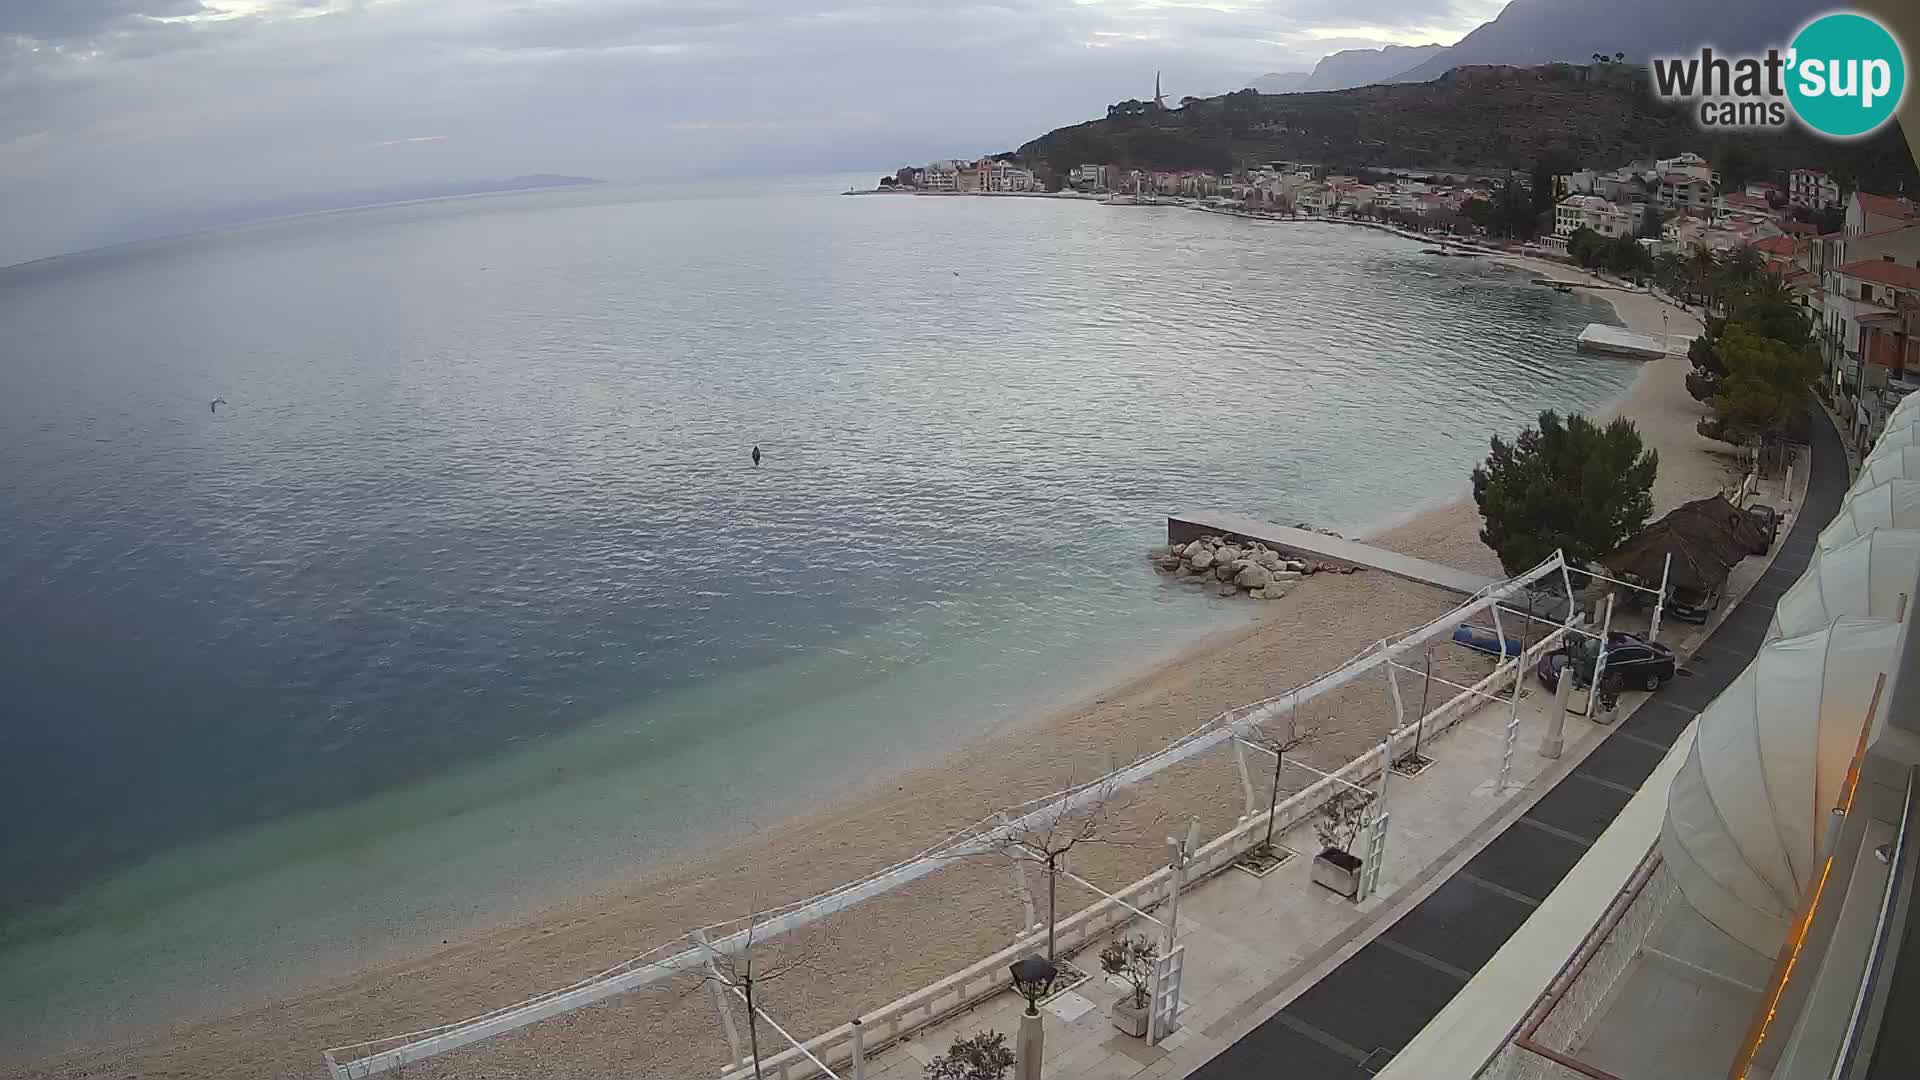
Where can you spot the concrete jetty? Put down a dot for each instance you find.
(1306, 544)
(1618, 341)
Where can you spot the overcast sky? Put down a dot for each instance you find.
(111, 110)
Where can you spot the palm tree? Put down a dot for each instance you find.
(1700, 268)
(1669, 269)
(1743, 266)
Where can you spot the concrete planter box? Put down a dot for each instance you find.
(1129, 1019)
(1339, 871)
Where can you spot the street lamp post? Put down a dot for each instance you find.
(1032, 977)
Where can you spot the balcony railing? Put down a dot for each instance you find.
(1543, 1045)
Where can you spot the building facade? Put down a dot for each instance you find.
(1812, 188)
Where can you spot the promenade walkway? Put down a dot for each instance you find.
(1284, 978)
(1183, 528)
(1350, 1023)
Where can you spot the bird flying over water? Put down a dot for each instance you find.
(756, 456)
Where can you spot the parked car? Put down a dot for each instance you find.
(1766, 519)
(1632, 661)
(1692, 605)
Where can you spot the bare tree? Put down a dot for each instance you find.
(756, 961)
(1085, 816)
(1279, 744)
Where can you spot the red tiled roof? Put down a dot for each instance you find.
(1778, 266)
(1775, 245)
(1884, 206)
(1884, 272)
(1755, 202)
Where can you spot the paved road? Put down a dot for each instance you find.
(1352, 1022)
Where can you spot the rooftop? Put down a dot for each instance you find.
(1885, 206)
(1883, 272)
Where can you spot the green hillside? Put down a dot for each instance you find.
(1473, 119)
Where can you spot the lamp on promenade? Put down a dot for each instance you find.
(1032, 977)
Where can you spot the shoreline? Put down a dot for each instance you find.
(1171, 691)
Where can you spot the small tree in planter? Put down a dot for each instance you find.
(1048, 835)
(982, 1056)
(1338, 826)
(1267, 857)
(1132, 959)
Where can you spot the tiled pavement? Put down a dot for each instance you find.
(1352, 1021)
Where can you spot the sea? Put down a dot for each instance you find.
(377, 574)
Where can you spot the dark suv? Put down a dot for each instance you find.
(1633, 662)
(1767, 520)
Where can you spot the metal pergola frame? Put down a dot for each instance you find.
(368, 1058)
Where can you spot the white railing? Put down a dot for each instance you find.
(925, 1006)
(968, 987)
(1542, 1046)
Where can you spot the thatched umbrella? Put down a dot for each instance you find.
(1706, 538)
(1715, 514)
(1697, 562)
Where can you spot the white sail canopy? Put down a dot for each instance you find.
(1906, 413)
(1747, 813)
(1868, 575)
(1895, 439)
(1898, 463)
(1894, 504)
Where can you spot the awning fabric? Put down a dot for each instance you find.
(1894, 504)
(1747, 813)
(1868, 575)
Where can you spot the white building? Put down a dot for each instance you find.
(1006, 176)
(1812, 187)
(1593, 212)
(1877, 213)
(1686, 192)
(1089, 177)
(941, 176)
(1688, 164)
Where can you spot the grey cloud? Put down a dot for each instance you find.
(70, 20)
(154, 116)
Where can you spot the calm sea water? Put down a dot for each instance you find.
(470, 589)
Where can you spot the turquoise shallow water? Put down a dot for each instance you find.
(470, 594)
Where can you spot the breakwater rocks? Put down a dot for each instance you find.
(1235, 566)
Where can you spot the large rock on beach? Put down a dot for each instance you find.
(1225, 570)
(1269, 559)
(1200, 560)
(1252, 576)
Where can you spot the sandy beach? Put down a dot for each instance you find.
(887, 947)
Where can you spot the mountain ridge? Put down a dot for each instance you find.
(1481, 120)
(1528, 32)
(1363, 67)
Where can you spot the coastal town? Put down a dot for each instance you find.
(1850, 257)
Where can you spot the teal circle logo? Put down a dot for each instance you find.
(1846, 75)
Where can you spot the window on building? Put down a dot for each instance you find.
(1866, 293)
